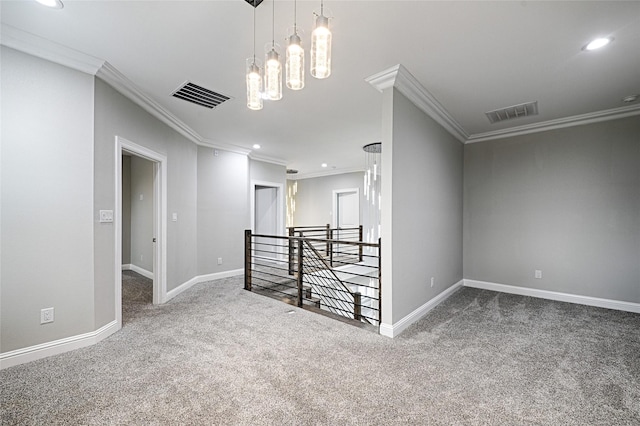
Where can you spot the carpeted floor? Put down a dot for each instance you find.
(217, 354)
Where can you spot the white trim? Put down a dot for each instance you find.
(393, 330)
(126, 267)
(617, 305)
(334, 208)
(201, 279)
(223, 146)
(325, 173)
(266, 159)
(400, 78)
(159, 274)
(46, 49)
(280, 200)
(122, 84)
(32, 353)
(139, 270)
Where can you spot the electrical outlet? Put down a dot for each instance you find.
(433, 281)
(538, 274)
(46, 315)
(219, 261)
(141, 258)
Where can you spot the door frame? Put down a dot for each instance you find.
(159, 161)
(336, 193)
(280, 203)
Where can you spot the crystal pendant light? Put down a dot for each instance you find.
(254, 75)
(372, 187)
(321, 46)
(295, 57)
(272, 67)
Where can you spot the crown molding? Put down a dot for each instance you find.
(42, 48)
(266, 159)
(122, 84)
(398, 77)
(331, 172)
(575, 120)
(224, 146)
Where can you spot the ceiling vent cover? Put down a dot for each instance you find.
(199, 95)
(515, 111)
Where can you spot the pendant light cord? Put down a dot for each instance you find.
(295, 17)
(273, 25)
(254, 32)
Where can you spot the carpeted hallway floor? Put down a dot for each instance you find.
(217, 354)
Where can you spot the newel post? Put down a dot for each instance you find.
(247, 259)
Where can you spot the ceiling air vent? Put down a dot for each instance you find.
(199, 95)
(515, 111)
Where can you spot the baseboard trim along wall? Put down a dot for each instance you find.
(32, 353)
(201, 279)
(393, 330)
(134, 268)
(553, 295)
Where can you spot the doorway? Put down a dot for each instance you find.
(346, 213)
(149, 251)
(267, 217)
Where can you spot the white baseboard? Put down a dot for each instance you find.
(393, 330)
(553, 295)
(32, 353)
(200, 279)
(139, 270)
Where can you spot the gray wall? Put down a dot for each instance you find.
(426, 233)
(126, 209)
(116, 115)
(223, 209)
(268, 172)
(46, 200)
(314, 200)
(566, 202)
(141, 213)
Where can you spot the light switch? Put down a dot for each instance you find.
(106, 216)
(141, 197)
(174, 217)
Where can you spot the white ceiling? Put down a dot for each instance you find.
(471, 56)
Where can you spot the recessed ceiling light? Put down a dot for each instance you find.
(256, 146)
(630, 98)
(54, 4)
(598, 43)
(324, 164)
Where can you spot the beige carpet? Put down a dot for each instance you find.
(217, 354)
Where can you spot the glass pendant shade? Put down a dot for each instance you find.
(273, 76)
(254, 85)
(321, 48)
(295, 63)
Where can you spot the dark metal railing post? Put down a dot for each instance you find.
(379, 282)
(360, 245)
(300, 272)
(247, 259)
(330, 248)
(357, 306)
(328, 238)
(292, 248)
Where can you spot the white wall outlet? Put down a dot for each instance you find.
(538, 274)
(106, 216)
(433, 281)
(219, 261)
(141, 258)
(141, 197)
(46, 315)
(174, 217)
(215, 153)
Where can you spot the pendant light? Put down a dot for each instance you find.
(294, 67)
(272, 67)
(321, 46)
(254, 74)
